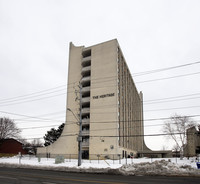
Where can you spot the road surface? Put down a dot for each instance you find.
(33, 176)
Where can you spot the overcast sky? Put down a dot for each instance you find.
(153, 34)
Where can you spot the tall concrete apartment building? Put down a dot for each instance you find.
(102, 94)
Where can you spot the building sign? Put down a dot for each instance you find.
(104, 96)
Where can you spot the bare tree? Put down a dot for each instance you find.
(8, 129)
(35, 144)
(31, 147)
(176, 128)
(176, 148)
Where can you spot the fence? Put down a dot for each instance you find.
(69, 161)
(71, 158)
(93, 158)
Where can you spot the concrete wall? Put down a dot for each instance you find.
(104, 99)
(130, 108)
(67, 143)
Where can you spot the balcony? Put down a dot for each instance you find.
(85, 132)
(85, 111)
(85, 100)
(85, 80)
(85, 143)
(85, 89)
(85, 92)
(85, 121)
(86, 71)
(86, 61)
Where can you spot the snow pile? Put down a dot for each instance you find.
(141, 166)
(159, 167)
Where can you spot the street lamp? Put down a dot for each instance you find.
(73, 114)
(79, 136)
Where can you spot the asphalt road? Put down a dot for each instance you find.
(31, 176)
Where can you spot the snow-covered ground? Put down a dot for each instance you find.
(141, 166)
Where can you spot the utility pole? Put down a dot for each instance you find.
(79, 138)
(80, 130)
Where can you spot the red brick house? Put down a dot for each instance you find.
(11, 146)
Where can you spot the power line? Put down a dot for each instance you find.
(24, 98)
(171, 100)
(27, 116)
(164, 69)
(94, 130)
(103, 122)
(158, 99)
(138, 135)
(47, 119)
(140, 73)
(25, 128)
(172, 108)
(31, 100)
(144, 73)
(113, 136)
(187, 107)
(177, 76)
(38, 99)
(42, 115)
(29, 94)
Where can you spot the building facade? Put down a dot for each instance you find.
(11, 147)
(101, 94)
